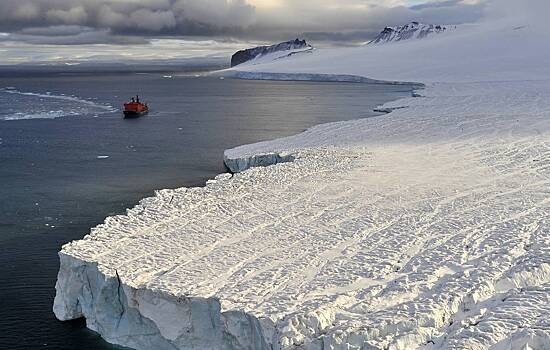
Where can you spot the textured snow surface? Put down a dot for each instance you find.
(425, 228)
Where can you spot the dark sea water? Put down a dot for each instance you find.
(68, 160)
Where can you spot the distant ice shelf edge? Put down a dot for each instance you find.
(237, 163)
(314, 77)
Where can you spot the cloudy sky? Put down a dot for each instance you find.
(85, 30)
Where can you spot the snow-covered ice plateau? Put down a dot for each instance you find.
(425, 228)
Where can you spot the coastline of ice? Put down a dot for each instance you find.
(241, 162)
(426, 228)
(445, 245)
(341, 78)
(147, 319)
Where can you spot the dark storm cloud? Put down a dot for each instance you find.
(185, 17)
(438, 4)
(339, 38)
(118, 21)
(70, 35)
(450, 12)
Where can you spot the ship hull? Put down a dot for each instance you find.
(133, 114)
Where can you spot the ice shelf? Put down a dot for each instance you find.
(425, 228)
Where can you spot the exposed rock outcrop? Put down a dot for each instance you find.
(249, 54)
(413, 30)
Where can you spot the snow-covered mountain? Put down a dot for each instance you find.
(469, 52)
(287, 47)
(266, 54)
(413, 30)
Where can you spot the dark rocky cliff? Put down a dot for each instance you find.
(249, 54)
(413, 30)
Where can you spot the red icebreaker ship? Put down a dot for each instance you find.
(135, 108)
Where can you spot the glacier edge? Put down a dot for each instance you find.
(149, 319)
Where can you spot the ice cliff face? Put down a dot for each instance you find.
(249, 54)
(147, 319)
(413, 30)
(241, 163)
